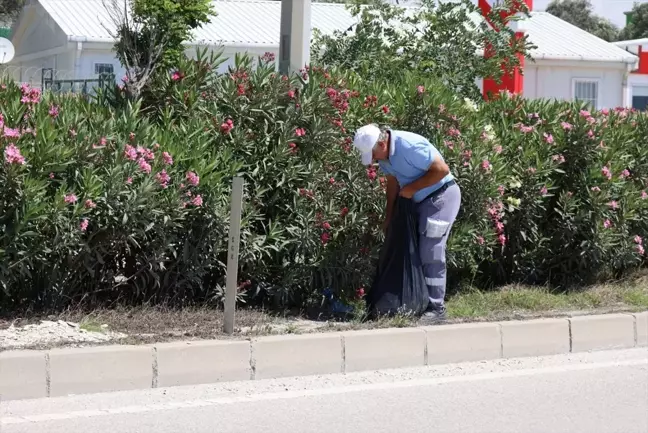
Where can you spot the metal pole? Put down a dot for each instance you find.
(231, 283)
(285, 36)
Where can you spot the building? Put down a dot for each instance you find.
(74, 38)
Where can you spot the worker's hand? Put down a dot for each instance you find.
(406, 192)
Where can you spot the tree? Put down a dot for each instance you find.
(637, 28)
(9, 9)
(581, 14)
(150, 35)
(443, 40)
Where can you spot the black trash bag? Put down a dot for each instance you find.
(399, 285)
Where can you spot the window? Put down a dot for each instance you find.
(103, 68)
(640, 97)
(586, 90)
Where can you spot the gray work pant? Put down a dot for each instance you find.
(436, 215)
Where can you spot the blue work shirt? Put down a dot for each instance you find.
(410, 157)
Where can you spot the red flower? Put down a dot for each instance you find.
(385, 109)
(325, 238)
(326, 226)
(360, 292)
(344, 212)
(300, 132)
(291, 94)
(332, 181)
(371, 173)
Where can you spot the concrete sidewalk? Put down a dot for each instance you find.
(59, 372)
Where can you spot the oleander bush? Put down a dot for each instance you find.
(101, 203)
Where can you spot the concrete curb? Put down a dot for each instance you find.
(58, 372)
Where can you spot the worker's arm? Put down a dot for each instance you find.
(392, 195)
(437, 171)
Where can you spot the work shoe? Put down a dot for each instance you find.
(435, 314)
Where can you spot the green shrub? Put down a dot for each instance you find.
(539, 204)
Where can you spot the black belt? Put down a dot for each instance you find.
(440, 190)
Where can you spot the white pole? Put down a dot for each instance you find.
(231, 283)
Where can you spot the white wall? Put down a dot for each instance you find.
(89, 58)
(556, 82)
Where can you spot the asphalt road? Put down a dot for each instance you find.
(601, 392)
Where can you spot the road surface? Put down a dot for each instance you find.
(602, 392)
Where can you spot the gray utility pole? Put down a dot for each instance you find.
(295, 38)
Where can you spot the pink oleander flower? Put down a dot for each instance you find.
(129, 181)
(605, 171)
(143, 165)
(585, 113)
(54, 111)
(544, 191)
(70, 199)
(197, 200)
(501, 189)
(13, 156)
(624, 174)
(51, 175)
(83, 226)
(89, 204)
(638, 240)
(193, 178)
(613, 205)
(486, 165)
(548, 138)
(168, 159)
(526, 129)
(501, 239)
(163, 179)
(300, 132)
(566, 126)
(607, 224)
(268, 57)
(130, 152)
(590, 134)
(326, 226)
(420, 90)
(291, 94)
(227, 126)
(147, 154)
(644, 195)
(640, 249)
(532, 170)
(11, 132)
(558, 158)
(596, 189)
(177, 76)
(498, 149)
(480, 240)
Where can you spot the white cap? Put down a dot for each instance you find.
(365, 139)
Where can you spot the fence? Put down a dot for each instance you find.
(83, 86)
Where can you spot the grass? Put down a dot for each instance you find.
(89, 325)
(154, 324)
(511, 301)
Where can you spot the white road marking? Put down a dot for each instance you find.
(315, 392)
